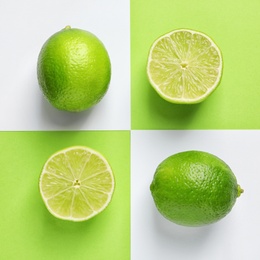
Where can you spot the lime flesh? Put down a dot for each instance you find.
(76, 183)
(184, 66)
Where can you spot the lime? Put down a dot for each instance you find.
(194, 188)
(76, 183)
(73, 69)
(184, 66)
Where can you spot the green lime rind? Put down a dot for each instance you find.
(73, 70)
(194, 188)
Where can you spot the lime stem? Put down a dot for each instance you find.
(67, 27)
(239, 190)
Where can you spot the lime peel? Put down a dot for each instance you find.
(194, 188)
(73, 70)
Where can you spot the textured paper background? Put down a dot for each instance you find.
(234, 26)
(234, 237)
(29, 231)
(25, 26)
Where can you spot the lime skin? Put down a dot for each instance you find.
(194, 188)
(73, 70)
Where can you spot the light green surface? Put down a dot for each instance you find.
(29, 231)
(233, 25)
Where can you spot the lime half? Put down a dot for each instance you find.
(184, 66)
(76, 183)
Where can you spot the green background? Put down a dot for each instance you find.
(29, 231)
(234, 26)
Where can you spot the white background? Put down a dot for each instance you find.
(25, 26)
(236, 237)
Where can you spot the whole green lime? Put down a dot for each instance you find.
(194, 188)
(73, 69)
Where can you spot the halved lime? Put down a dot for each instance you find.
(76, 183)
(184, 66)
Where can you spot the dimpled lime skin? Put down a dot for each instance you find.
(73, 70)
(194, 188)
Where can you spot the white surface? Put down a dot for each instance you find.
(234, 237)
(25, 26)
